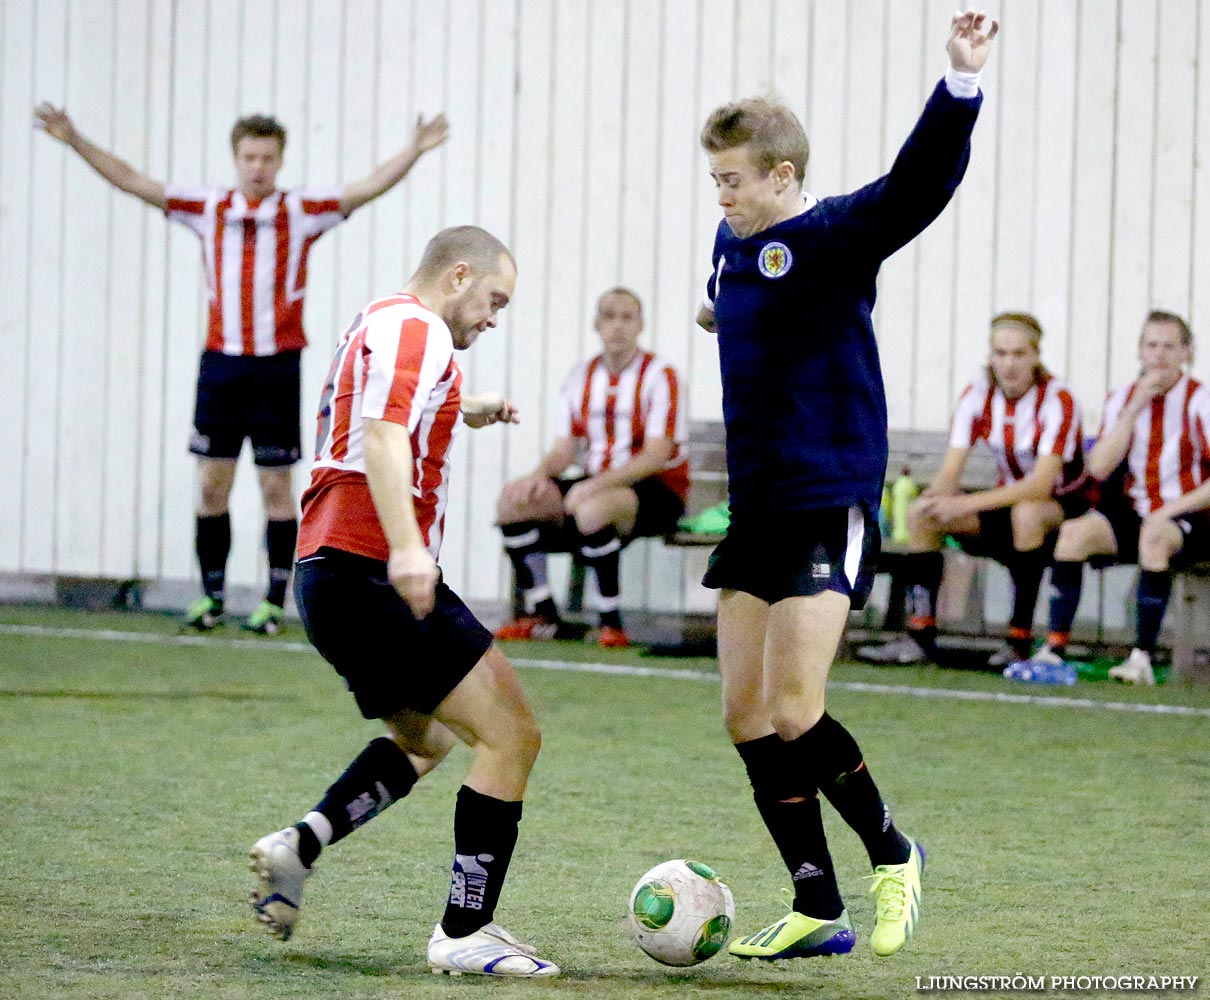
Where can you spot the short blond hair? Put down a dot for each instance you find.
(768, 128)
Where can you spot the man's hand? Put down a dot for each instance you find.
(1150, 385)
(54, 122)
(488, 408)
(413, 573)
(430, 134)
(969, 43)
(946, 509)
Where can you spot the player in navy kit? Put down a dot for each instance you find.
(791, 298)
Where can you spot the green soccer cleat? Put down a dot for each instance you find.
(265, 620)
(896, 892)
(203, 615)
(798, 936)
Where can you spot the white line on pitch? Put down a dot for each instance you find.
(622, 669)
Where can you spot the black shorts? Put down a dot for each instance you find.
(659, 510)
(1126, 524)
(389, 659)
(239, 396)
(995, 538)
(799, 554)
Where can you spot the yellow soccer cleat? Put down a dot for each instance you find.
(798, 936)
(896, 892)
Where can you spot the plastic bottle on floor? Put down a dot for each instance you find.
(1041, 672)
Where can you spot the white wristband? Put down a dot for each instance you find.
(961, 84)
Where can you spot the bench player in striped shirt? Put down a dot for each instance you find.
(1152, 457)
(1032, 423)
(255, 242)
(622, 418)
(370, 594)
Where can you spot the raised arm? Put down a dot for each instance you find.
(886, 214)
(56, 123)
(428, 135)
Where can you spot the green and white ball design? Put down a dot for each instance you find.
(681, 912)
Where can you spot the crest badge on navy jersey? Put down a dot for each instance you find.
(775, 260)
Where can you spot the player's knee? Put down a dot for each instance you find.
(1072, 544)
(793, 717)
(526, 739)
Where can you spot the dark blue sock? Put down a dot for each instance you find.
(1154, 590)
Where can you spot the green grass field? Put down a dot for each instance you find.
(1061, 839)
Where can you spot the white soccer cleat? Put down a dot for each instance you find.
(489, 951)
(903, 652)
(277, 898)
(1135, 670)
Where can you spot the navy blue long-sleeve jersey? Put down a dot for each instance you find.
(803, 400)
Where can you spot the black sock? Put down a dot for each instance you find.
(212, 541)
(523, 543)
(602, 550)
(830, 756)
(280, 539)
(381, 774)
(1066, 582)
(485, 833)
(1026, 571)
(922, 574)
(1155, 587)
(795, 826)
(309, 846)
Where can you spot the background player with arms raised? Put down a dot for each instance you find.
(255, 241)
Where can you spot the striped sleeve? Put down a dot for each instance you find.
(664, 417)
(568, 418)
(1059, 421)
(319, 209)
(1114, 404)
(189, 205)
(406, 358)
(1199, 418)
(967, 424)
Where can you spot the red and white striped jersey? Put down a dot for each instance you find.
(1045, 421)
(612, 415)
(1168, 455)
(395, 362)
(255, 259)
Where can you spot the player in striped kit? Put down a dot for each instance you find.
(373, 603)
(1152, 457)
(622, 418)
(255, 241)
(1032, 423)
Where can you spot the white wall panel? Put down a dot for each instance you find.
(16, 242)
(574, 137)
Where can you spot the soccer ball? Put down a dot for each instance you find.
(681, 912)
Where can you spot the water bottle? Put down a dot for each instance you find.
(884, 513)
(1041, 672)
(903, 492)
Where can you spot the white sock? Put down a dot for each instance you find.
(320, 826)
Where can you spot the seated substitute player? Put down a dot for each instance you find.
(791, 299)
(370, 593)
(255, 241)
(621, 416)
(1031, 421)
(1153, 457)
